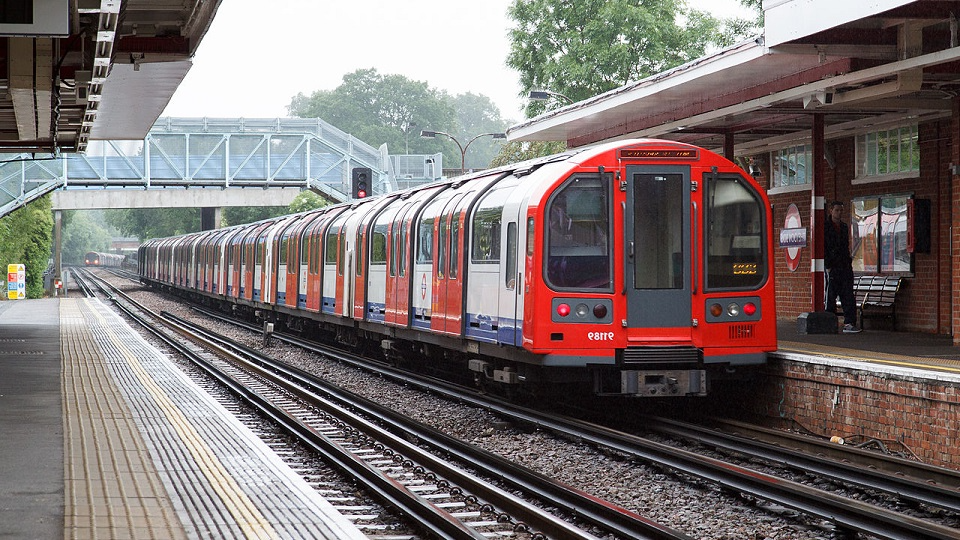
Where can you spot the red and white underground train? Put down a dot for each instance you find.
(95, 258)
(635, 268)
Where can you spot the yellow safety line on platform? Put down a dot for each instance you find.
(249, 518)
(805, 349)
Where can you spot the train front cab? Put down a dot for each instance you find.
(686, 291)
(698, 275)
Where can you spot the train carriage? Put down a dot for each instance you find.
(109, 260)
(634, 268)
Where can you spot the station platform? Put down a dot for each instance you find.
(907, 350)
(102, 436)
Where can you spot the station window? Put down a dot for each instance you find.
(893, 151)
(792, 166)
(879, 235)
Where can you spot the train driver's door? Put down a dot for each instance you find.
(658, 261)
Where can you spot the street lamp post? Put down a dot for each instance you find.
(543, 95)
(426, 134)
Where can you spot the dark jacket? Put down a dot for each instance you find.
(836, 245)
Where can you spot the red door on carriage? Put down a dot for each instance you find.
(448, 288)
(398, 286)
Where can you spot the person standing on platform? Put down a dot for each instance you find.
(839, 267)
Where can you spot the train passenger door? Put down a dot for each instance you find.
(658, 263)
(511, 275)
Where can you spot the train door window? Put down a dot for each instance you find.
(305, 251)
(315, 245)
(659, 241)
(486, 235)
(442, 247)
(284, 246)
(425, 242)
(403, 247)
(342, 239)
(359, 243)
(455, 247)
(378, 247)
(531, 235)
(734, 231)
(578, 235)
(392, 248)
(330, 253)
(511, 270)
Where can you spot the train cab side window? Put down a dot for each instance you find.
(578, 254)
(735, 234)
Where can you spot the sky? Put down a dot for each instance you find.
(258, 55)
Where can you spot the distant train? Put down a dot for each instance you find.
(95, 258)
(634, 268)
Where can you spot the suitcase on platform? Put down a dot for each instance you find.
(817, 322)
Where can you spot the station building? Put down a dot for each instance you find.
(851, 101)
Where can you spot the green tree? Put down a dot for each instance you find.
(26, 235)
(379, 109)
(238, 215)
(81, 234)
(515, 152)
(476, 114)
(306, 200)
(393, 110)
(146, 223)
(585, 48)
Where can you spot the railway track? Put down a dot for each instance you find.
(846, 513)
(439, 494)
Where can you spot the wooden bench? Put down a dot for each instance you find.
(876, 296)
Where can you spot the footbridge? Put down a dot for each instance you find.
(210, 162)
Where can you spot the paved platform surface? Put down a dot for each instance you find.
(931, 353)
(103, 437)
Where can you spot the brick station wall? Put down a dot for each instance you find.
(859, 405)
(923, 304)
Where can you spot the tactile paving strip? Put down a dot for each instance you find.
(224, 482)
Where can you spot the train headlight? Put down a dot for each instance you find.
(600, 311)
(749, 309)
(582, 310)
(716, 310)
(563, 310)
(733, 309)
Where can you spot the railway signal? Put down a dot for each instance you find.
(360, 182)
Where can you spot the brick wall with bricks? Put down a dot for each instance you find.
(905, 414)
(923, 304)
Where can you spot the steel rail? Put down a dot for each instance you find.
(387, 489)
(612, 518)
(922, 472)
(531, 516)
(845, 513)
(905, 487)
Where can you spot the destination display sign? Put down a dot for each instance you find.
(653, 153)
